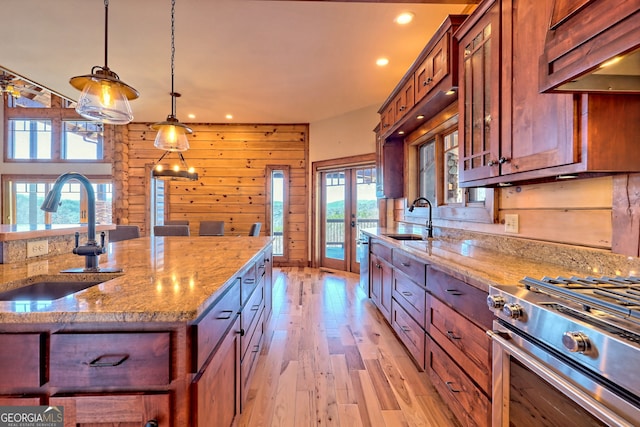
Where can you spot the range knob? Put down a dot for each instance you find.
(513, 310)
(495, 301)
(576, 342)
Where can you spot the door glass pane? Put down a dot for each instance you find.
(366, 204)
(334, 215)
(277, 211)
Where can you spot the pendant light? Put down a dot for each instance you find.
(172, 135)
(105, 98)
(177, 172)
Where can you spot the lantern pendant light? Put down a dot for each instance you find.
(105, 98)
(172, 135)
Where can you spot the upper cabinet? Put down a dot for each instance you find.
(582, 35)
(509, 131)
(427, 87)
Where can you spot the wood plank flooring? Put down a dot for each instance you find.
(330, 359)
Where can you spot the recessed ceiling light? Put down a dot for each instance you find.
(228, 116)
(381, 62)
(401, 132)
(192, 116)
(404, 18)
(420, 117)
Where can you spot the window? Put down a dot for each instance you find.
(29, 139)
(82, 140)
(278, 209)
(452, 191)
(24, 195)
(427, 164)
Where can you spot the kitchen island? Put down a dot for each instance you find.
(179, 327)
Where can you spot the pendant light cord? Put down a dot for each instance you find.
(106, 32)
(173, 53)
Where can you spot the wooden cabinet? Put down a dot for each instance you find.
(381, 277)
(217, 388)
(509, 131)
(22, 361)
(433, 69)
(389, 168)
(106, 409)
(458, 351)
(404, 100)
(581, 35)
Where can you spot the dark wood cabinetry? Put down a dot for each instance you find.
(458, 351)
(22, 361)
(582, 35)
(509, 131)
(381, 277)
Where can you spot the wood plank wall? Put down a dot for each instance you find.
(231, 160)
(577, 212)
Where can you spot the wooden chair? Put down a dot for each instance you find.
(255, 229)
(124, 232)
(171, 230)
(211, 228)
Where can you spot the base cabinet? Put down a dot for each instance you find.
(217, 390)
(147, 410)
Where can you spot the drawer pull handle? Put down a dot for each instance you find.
(240, 332)
(108, 360)
(453, 336)
(454, 292)
(405, 264)
(407, 293)
(151, 423)
(405, 329)
(256, 348)
(225, 315)
(249, 281)
(451, 389)
(255, 307)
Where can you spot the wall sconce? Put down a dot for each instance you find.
(105, 98)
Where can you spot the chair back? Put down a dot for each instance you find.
(124, 232)
(171, 230)
(211, 228)
(255, 229)
(176, 222)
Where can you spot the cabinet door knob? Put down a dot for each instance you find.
(151, 423)
(492, 163)
(503, 160)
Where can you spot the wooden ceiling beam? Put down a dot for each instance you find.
(400, 1)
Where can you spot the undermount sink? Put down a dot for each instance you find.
(405, 236)
(48, 288)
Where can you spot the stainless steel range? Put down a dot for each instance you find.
(567, 351)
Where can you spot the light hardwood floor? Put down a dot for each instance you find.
(330, 359)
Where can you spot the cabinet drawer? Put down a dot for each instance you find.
(249, 316)
(110, 359)
(409, 332)
(464, 341)
(248, 364)
(248, 283)
(410, 266)
(380, 250)
(411, 296)
(211, 329)
(464, 399)
(464, 298)
(21, 361)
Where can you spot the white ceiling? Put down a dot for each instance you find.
(262, 61)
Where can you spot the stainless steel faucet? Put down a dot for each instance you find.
(429, 225)
(91, 250)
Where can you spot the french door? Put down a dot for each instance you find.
(348, 204)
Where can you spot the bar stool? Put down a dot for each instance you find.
(124, 232)
(171, 230)
(211, 228)
(255, 229)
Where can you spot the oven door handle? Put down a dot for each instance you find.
(576, 394)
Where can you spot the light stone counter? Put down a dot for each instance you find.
(485, 260)
(165, 279)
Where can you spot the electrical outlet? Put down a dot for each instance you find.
(37, 248)
(511, 223)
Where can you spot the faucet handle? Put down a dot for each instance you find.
(77, 239)
(102, 235)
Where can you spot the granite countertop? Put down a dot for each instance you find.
(483, 267)
(9, 232)
(164, 279)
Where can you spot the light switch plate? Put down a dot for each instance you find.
(511, 223)
(37, 248)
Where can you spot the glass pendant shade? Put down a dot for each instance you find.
(104, 98)
(172, 135)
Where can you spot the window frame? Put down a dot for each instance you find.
(435, 129)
